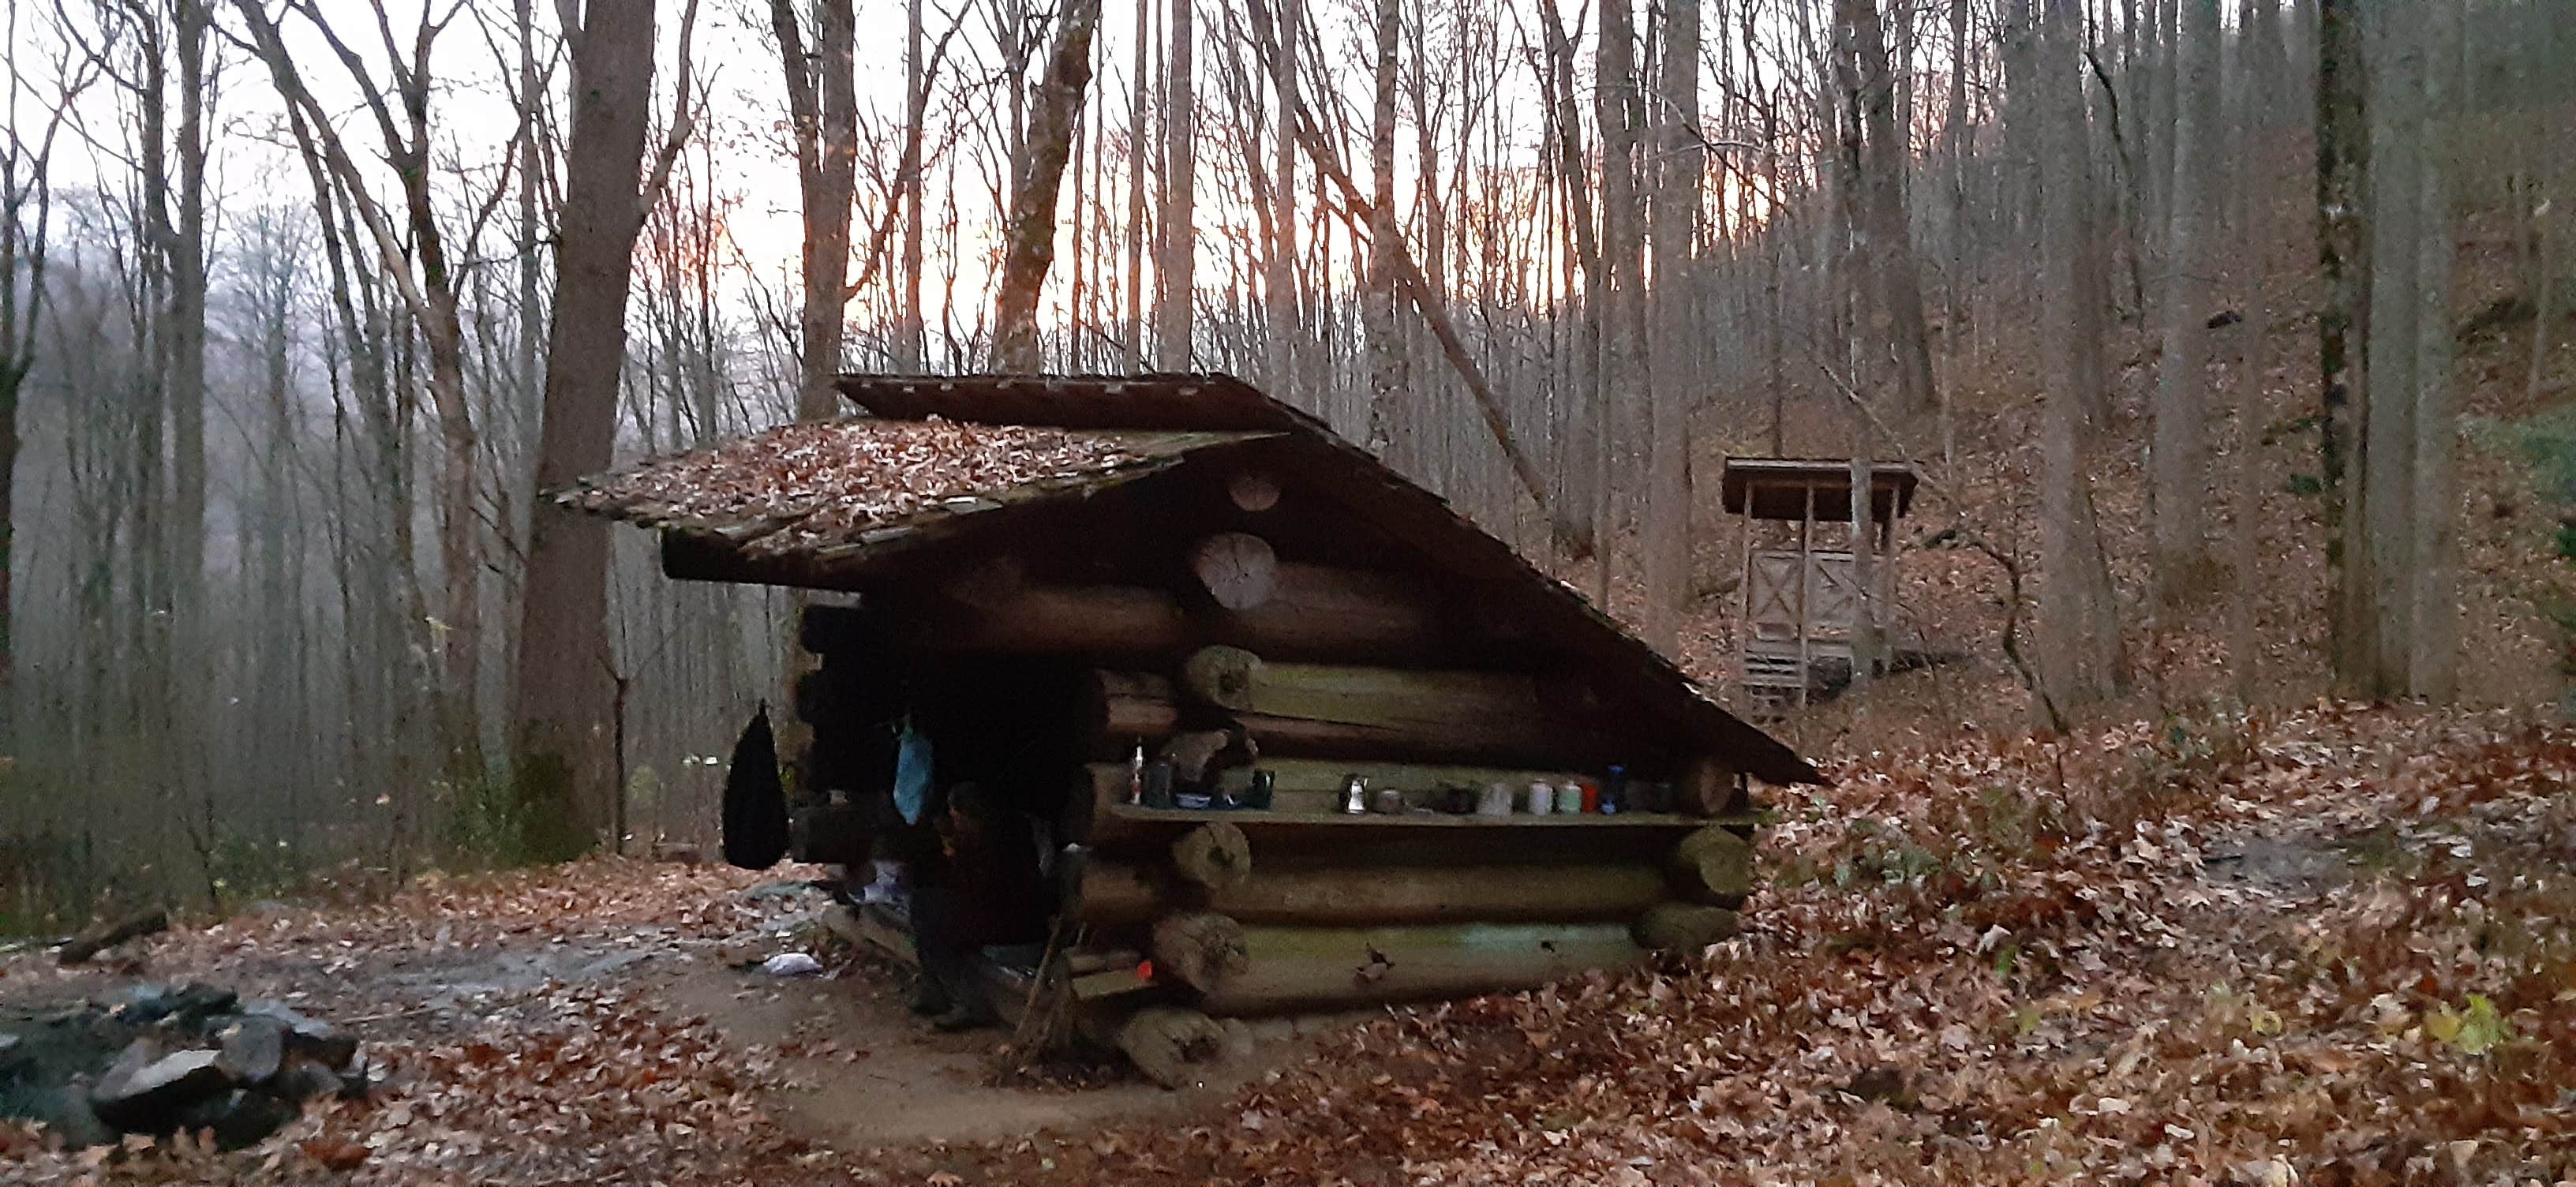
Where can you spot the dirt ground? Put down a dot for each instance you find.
(871, 1075)
(520, 965)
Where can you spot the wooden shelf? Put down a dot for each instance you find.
(1253, 819)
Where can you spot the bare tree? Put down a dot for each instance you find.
(1618, 109)
(823, 119)
(412, 250)
(2181, 462)
(2079, 642)
(1675, 359)
(1884, 239)
(1028, 246)
(2405, 486)
(1279, 276)
(1386, 354)
(2343, 229)
(563, 761)
(916, 112)
(1583, 485)
(26, 243)
(1176, 264)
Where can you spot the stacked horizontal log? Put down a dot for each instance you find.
(1291, 968)
(1112, 893)
(1247, 660)
(1305, 611)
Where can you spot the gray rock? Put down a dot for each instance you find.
(254, 1047)
(66, 1114)
(190, 1003)
(305, 1035)
(237, 1118)
(303, 1079)
(150, 1099)
(137, 1055)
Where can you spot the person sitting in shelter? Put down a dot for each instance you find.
(985, 892)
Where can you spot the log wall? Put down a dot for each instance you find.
(1252, 642)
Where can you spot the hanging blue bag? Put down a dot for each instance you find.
(912, 773)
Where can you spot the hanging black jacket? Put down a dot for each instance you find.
(755, 805)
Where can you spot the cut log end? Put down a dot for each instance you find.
(1252, 490)
(1173, 1047)
(1238, 569)
(1202, 949)
(1683, 927)
(1711, 788)
(1222, 676)
(1713, 865)
(1216, 856)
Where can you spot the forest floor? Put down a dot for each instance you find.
(2330, 945)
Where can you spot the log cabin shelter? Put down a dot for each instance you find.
(1048, 577)
(1799, 596)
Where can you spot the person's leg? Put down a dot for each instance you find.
(931, 927)
(949, 987)
(969, 1007)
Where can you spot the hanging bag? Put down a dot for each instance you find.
(755, 804)
(912, 772)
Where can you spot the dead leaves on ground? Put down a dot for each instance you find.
(2329, 946)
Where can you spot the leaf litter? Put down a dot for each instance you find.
(2025, 961)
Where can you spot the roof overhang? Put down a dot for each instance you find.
(1798, 488)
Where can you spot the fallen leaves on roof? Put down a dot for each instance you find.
(803, 485)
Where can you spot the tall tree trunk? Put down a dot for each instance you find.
(1136, 139)
(1385, 353)
(530, 323)
(2163, 94)
(2253, 251)
(2078, 639)
(1177, 269)
(1678, 359)
(2432, 668)
(1028, 244)
(1582, 487)
(2343, 230)
(183, 338)
(2180, 456)
(908, 346)
(822, 104)
(1279, 278)
(1898, 332)
(562, 705)
(1956, 136)
(2387, 441)
(1618, 107)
